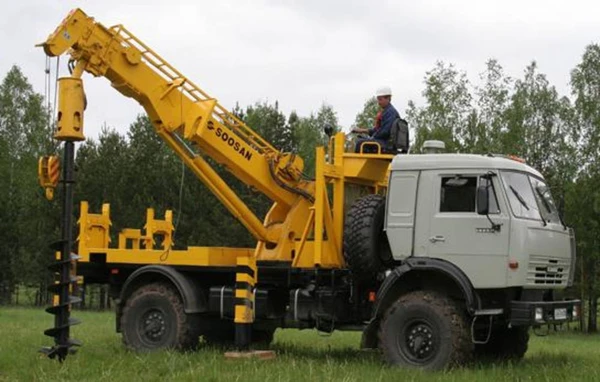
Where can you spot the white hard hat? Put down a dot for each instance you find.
(384, 91)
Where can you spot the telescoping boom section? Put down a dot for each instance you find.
(304, 225)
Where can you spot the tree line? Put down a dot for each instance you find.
(558, 134)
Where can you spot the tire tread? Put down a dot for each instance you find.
(462, 346)
(358, 243)
(187, 331)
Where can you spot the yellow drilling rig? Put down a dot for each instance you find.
(376, 266)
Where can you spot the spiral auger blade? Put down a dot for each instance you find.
(64, 298)
(63, 289)
(64, 270)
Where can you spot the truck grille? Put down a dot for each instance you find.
(546, 270)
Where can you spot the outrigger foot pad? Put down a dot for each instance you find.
(262, 355)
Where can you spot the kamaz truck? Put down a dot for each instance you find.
(439, 258)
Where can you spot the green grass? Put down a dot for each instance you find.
(301, 356)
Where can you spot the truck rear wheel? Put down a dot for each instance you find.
(366, 248)
(425, 330)
(505, 344)
(153, 318)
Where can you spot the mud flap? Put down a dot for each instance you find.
(369, 336)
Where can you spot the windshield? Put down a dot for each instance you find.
(520, 195)
(547, 207)
(529, 197)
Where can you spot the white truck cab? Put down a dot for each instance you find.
(432, 212)
(476, 250)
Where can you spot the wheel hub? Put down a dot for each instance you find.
(153, 325)
(419, 341)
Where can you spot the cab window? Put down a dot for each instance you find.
(459, 194)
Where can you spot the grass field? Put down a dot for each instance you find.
(301, 356)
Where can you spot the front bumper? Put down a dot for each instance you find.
(532, 313)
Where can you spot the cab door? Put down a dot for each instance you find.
(459, 235)
(400, 217)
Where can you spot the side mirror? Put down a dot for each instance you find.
(483, 197)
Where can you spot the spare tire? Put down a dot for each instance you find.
(366, 247)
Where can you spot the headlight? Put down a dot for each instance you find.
(539, 314)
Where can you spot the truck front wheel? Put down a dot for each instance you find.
(425, 330)
(153, 318)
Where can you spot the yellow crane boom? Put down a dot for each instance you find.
(196, 126)
(181, 112)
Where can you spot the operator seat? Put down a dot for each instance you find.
(398, 142)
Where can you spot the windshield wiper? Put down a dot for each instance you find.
(519, 197)
(546, 205)
(544, 201)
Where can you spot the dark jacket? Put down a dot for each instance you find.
(383, 123)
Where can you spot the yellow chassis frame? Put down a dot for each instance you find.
(319, 243)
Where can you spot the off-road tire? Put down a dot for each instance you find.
(160, 305)
(505, 344)
(366, 247)
(426, 322)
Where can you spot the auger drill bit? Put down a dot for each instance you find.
(64, 270)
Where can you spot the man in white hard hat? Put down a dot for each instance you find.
(380, 133)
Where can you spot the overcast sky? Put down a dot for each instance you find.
(303, 53)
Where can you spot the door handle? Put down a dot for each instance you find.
(435, 239)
